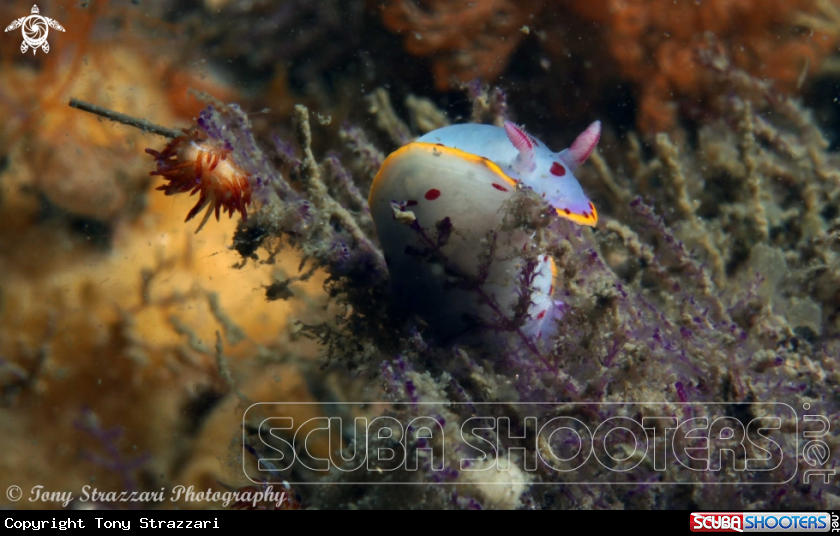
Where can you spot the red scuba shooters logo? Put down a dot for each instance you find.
(760, 522)
(717, 522)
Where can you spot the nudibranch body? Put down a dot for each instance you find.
(521, 157)
(438, 206)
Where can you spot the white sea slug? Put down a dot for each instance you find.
(437, 205)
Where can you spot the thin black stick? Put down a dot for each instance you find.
(142, 124)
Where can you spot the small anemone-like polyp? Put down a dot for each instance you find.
(192, 164)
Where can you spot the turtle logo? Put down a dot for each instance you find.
(35, 30)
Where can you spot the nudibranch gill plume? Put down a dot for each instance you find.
(195, 165)
(437, 206)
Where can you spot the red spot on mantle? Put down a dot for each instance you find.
(557, 169)
(567, 211)
(499, 187)
(432, 194)
(541, 315)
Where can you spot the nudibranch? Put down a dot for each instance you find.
(437, 206)
(194, 165)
